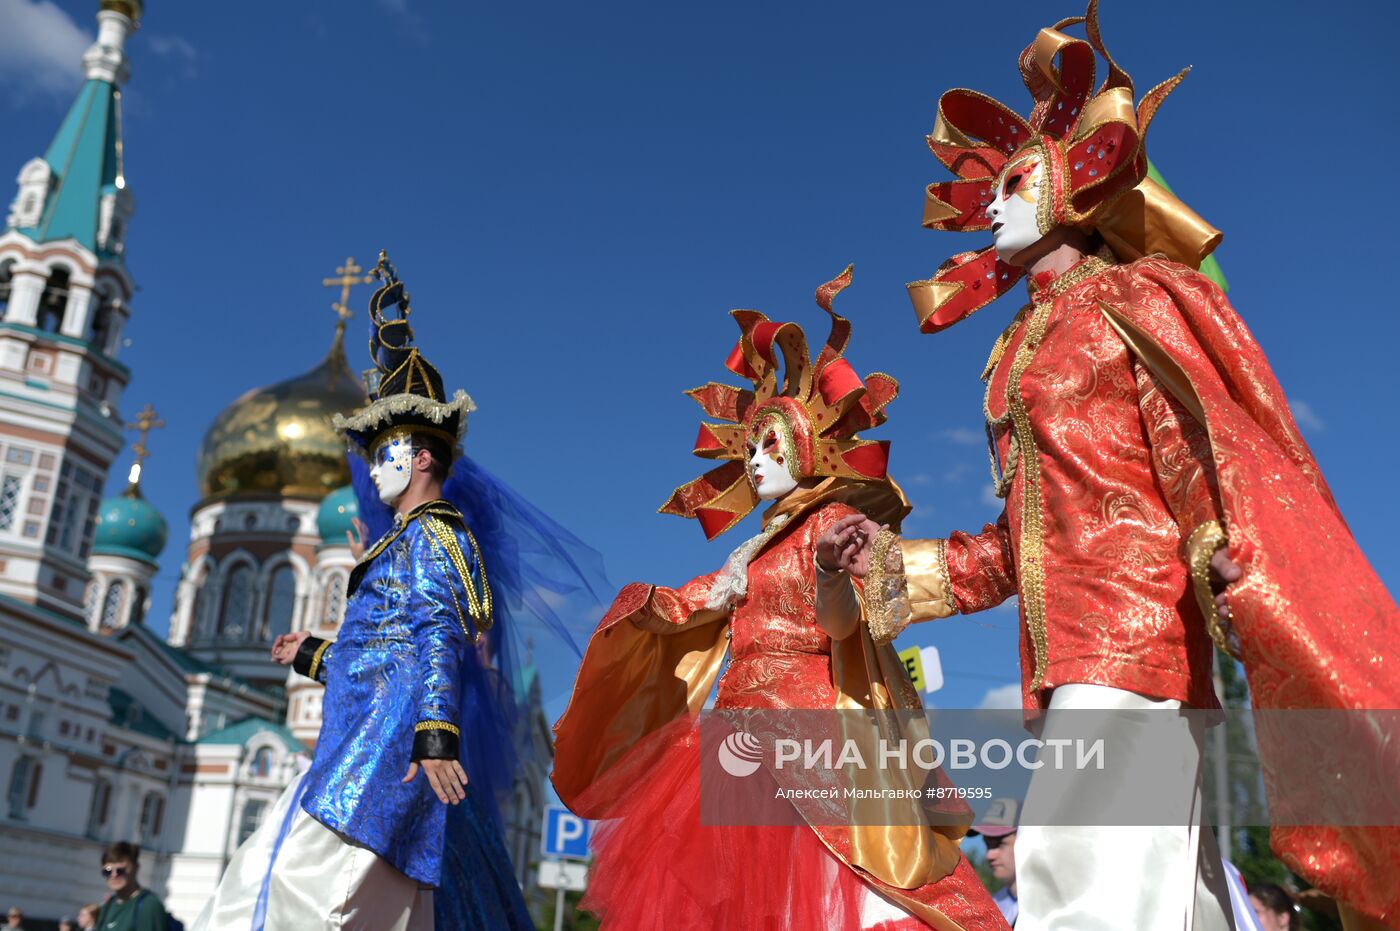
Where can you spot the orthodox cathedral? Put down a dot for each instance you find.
(109, 731)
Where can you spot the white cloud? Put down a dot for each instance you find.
(989, 496)
(41, 49)
(1307, 418)
(959, 472)
(963, 436)
(177, 49)
(1003, 697)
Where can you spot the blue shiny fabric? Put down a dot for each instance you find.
(550, 591)
(399, 660)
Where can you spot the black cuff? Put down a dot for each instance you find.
(435, 740)
(309, 656)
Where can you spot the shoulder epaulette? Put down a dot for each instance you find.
(443, 537)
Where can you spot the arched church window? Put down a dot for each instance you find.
(252, 817)
(23, 793)
(238, 603)
(6, 284)
(202, 612)
(54, 300)
(138, 605)
(152, 814)
(100, 318)
(334, 609)
(111, 604)
(281, 599)
(94, 588)
(261, 763)
(97, 811)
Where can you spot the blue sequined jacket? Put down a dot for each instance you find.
(392, 680)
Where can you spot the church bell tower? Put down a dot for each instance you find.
(65, 297)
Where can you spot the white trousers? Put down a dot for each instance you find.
(321, 882)
(1073, 877)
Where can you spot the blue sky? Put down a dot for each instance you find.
(578, 193)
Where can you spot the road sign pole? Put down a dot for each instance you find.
(559, 909)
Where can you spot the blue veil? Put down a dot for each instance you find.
(549, 590)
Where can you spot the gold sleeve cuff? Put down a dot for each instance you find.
(930, 583)
(886, 596)
(316, 659)
(1200, 547)
(437, 726)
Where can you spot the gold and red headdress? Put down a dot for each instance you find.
(1091, 143)
(820, 407)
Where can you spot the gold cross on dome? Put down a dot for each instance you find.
(146, 421)
(348, 275)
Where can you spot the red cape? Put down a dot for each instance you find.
(1317, 628)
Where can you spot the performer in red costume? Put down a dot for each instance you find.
(1148, 457)
(627, 748)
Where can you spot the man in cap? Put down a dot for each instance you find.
(998, 831)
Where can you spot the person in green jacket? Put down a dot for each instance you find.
(130, 907)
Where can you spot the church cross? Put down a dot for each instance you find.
(146, 420)
(348, 275)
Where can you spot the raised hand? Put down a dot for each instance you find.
(447, 777)
(356, 538)
(846, 546)
(285, 647)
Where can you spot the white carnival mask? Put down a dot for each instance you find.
(1015, 206)
(393, 467)
(770, 459)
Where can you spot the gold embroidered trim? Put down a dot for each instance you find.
(437, 726)
(381, 412)
(947, 578)
(1031, 568)
(1021, 447)
(1004, 475)
(886, 593)
(478, 603)
(316, 659)
(1201, 545)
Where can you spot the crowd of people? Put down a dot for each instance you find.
(129, 906)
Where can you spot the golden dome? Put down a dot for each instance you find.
(279, 439)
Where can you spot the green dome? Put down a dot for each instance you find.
(338, 510)
(129, 526)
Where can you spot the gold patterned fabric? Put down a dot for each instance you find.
(1316, 627)
(1087, 539)
(1152, 412)
(658, 651)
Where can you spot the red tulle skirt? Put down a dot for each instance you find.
(656, 866)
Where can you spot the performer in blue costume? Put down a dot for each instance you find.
(396, 825)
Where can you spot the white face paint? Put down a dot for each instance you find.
(393, 466)
(1014, 206)
(768, 462)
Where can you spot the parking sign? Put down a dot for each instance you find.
(565, 834)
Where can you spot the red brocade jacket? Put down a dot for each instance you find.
(1107, 477)
(1140, 428)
